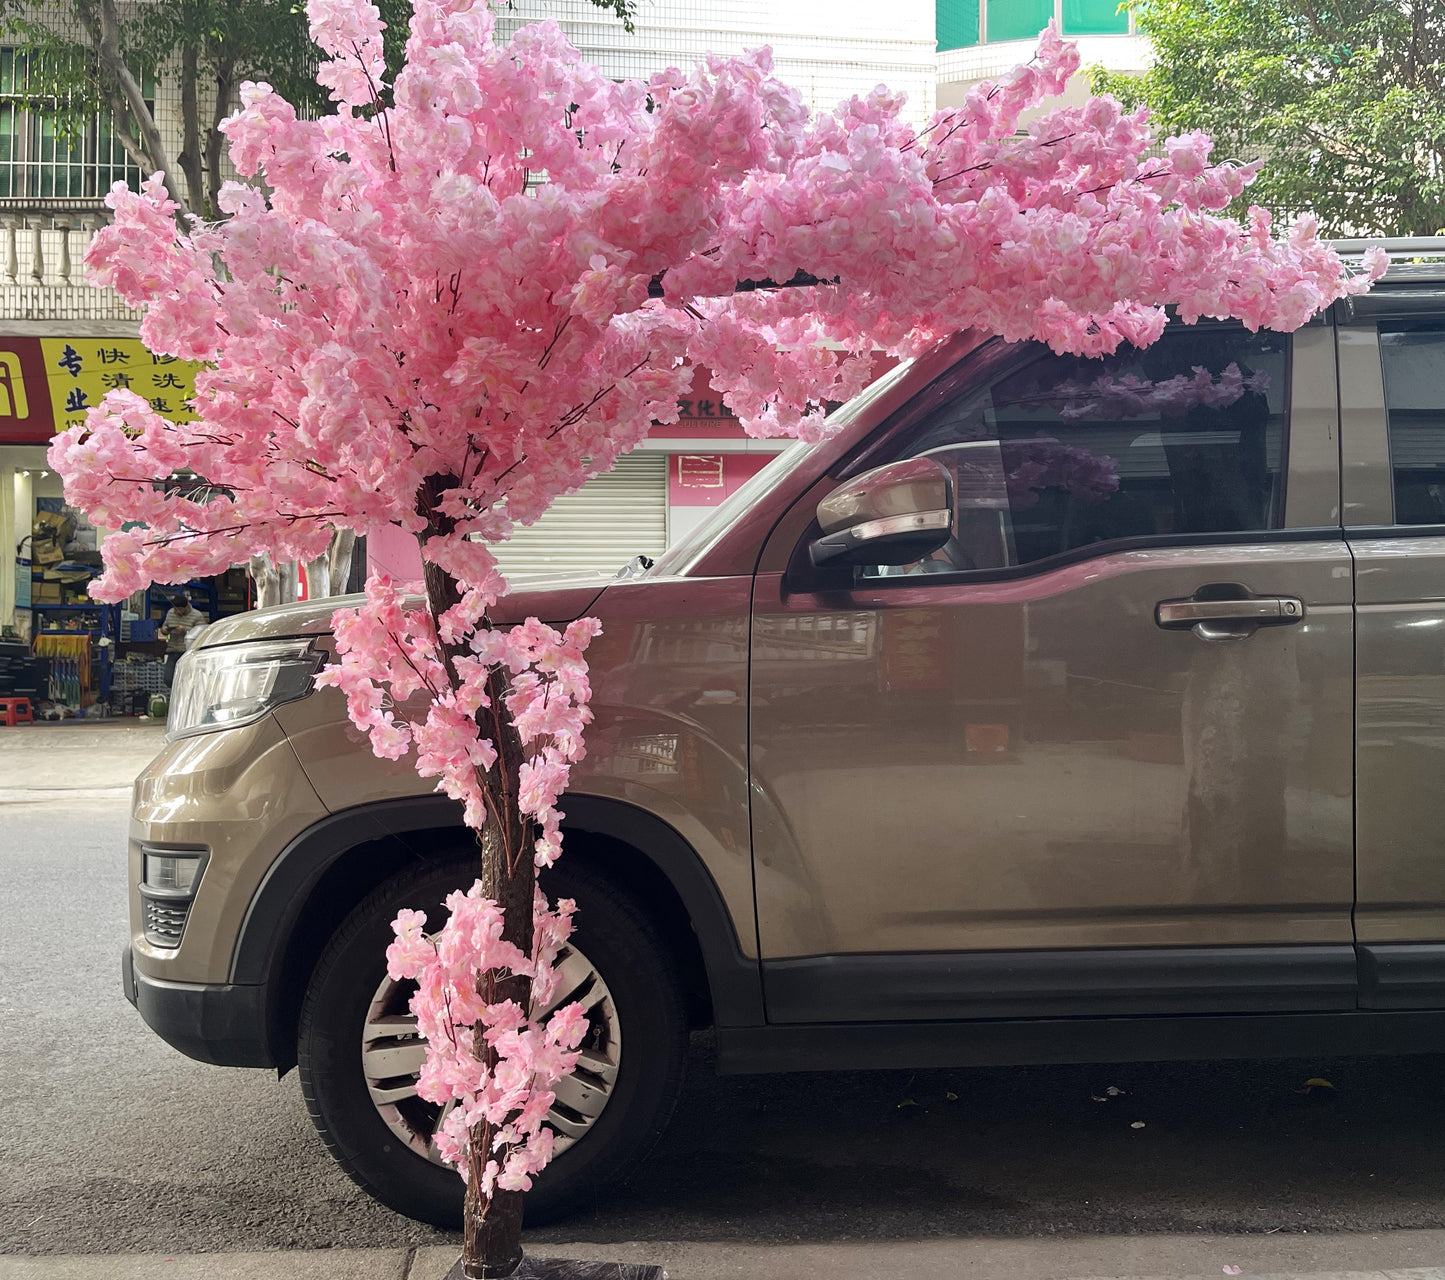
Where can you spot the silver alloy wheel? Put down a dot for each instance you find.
(392, 1054)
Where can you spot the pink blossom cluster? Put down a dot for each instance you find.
(1130, 396)
(394, 674)
(400, 691)
(510, 1100)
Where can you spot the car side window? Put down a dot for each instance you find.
(1065, 452)
(1412, 358)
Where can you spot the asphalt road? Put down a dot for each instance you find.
(112, 1142)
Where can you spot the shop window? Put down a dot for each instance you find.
(1095, 17)
(1018, 19)
(38, 158)
(1412, 357)
(1062, 453)
(956, 22)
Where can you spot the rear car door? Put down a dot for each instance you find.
(1094, 755)
(1392, 371)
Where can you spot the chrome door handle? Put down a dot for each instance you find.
(1265, 609)
(1228, 619)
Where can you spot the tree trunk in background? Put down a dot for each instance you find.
(190, 157)
(328, 575)
(106, 23)
(274, 584)
(215, 140)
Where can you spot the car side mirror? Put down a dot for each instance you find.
(894, 514)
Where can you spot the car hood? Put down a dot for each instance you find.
(554, 598)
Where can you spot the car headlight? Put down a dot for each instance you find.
(234, 684)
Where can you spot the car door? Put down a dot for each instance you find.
(1094, 754)
(1392, 366)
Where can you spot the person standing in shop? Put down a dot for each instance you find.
(179, 622)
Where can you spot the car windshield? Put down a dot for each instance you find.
(690, 548)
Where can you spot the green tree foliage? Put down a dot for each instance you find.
(1344, 100)
(88, 56)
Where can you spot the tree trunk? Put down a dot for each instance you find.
(190, 157)
(492, 1225)
(215, 139)
(108, 51)
(327, 575)
(275, 584)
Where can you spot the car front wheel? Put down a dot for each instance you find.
(359, 1052)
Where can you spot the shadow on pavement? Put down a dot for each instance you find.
(1225, 1147)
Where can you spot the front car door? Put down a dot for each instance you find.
(1094, 755)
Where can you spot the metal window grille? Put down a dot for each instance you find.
(41, 161)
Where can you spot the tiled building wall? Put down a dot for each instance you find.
(827, 49)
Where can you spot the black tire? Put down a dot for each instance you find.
(633, 960)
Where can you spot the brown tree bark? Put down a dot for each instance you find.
(190, 157)
(215, 139)
(492, 1225)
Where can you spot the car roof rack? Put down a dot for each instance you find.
(1414, 260)
(1395, 246)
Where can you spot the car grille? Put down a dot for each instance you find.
(165, 921)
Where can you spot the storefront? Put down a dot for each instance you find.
(61, 648)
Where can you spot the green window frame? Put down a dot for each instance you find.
(1017, 19)
(961, 24)
(956, 23)
(1095, 18)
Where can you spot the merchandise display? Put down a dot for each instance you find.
(71, 656)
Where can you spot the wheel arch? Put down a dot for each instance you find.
(326, 870)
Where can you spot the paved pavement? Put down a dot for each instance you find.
(1397, 1256)
(81, 759)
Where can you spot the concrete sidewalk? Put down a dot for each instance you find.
(75, 760)
(1403, 1255)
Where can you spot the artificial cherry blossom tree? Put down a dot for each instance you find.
(443, 313)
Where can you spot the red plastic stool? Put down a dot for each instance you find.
(15, 711)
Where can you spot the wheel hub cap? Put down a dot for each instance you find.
(393, 1053)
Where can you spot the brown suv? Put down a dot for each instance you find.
(1135, 755)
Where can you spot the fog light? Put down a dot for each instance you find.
(175, 871)
(168, 885)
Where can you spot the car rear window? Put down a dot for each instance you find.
(1412, 357)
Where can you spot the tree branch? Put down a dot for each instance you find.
(801, 280)
(106, 31)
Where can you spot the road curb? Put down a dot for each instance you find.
(1405, 1255)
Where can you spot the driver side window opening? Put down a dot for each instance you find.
(1065, 452)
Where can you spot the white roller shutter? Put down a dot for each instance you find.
(613, 517)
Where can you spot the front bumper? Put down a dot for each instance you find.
(223, 1024)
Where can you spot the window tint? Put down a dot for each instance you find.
(1412, 357)
(1063, 452)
